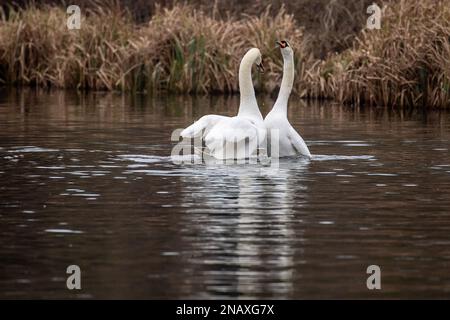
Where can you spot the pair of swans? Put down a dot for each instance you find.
(241, 136)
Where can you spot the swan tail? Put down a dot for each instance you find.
(298, 143)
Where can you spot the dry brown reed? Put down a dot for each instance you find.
(186, 50)
(405, 63)
(179, 50)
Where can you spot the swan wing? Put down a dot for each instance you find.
(237, 130)
(233, 130)
(297, 142)
(205, 123)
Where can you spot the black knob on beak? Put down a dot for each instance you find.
(260, 67)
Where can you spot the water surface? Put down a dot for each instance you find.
(88, 180)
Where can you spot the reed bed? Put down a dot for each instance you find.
(179, 50)
(183, 49)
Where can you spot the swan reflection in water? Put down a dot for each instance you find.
(244, 230)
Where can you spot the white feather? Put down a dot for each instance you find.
(289, 140)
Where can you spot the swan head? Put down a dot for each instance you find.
(254, 55)
(286, 49)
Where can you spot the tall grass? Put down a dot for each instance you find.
(330, 24)
(406, 63)
(179, 50)
(36, 48)
(184, 49)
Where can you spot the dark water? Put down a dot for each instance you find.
(87, 180)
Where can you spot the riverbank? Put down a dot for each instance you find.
(183, 49)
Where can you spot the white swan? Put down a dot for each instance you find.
(290, 142)
(234, 137)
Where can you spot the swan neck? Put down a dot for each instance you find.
(248, 105)
(287, 83)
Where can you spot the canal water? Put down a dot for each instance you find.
(89, 180)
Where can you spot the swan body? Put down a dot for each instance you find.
(235, 137)
(290, 143)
